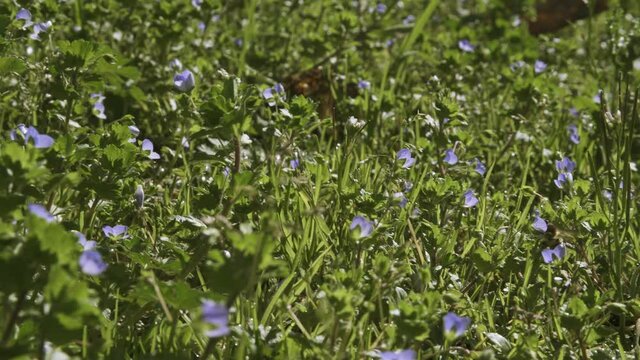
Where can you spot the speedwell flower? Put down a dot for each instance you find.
(455, 323)
(218, 315)
(466, 46)
(450, 157)
(405, 154)
(91, 263)
(558, 252)
(114, 231)
(470, 199)
(184, 81)
(147, 145)
(398, 355)
(366, 226)
(41, 212)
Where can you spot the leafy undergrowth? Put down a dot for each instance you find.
(323, 179)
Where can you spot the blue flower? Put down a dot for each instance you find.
(539, 224)
(184, 81)
(405, 154)
(574, 136)
(398, 355)
(480, 167)
(539, 66)
(366, 227)
(364, 84)
(197, 3)
(381, 8)
(466, 46)
(218, 315)
(82, 240)
(175, 64)
(574, 112)
(185, 142)
(408, 185)
(98, 106)
(597, 98)
(40, 28)
(558, 252)
(24, 14)
(450, 157)
(41, 212)
(115, 231)
(294, 163)
(607, 195)
(40, 141)
(238, 42)
(138, 196)
(455, 323)
(563, 179)
(91, 263)
(565, 165)
(270, 93)
(517, 65)
(147, 145)
(470, 200)
(135, 132)
(409, 20)
(202, 26)
(401, 199)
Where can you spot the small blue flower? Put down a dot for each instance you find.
(185, 142)
(455, 323)
(563, 180)
(450, 157)
(147, 145)
(409, 20)
(574, 136)
(24, 14)
(470, 200)
(408, 185)
(91, 263)
(226, 171)
(197, 3)
(405, 154)
(607, 195)
(398, 355)
(597, 98)
(539, 66)
(366, 227)
(539, 224)
(480, 167)
(381, 8)
(135, 132)
(548, 253)
(401, 199)
(202, 26)
(565, 165)
(218, 315)
(41, 212)
(466, 46)
(294, 163)
(138, 196)
(40, 28)
(184, 81)
(517, 65)
(270, 93)
(115, 231)
(364, 85)
(40, 141)
(82, 240)
(175, 64)
(238, 42)
(98, 106)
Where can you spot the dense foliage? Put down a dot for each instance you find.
(317, 179)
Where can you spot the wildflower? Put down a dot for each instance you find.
(98, 106)
(41, 212)
(480, 167)
(517, 65)
(405, 154)
(135, 132)
(218, 315)
(40, 141)
(147, 145)
(175, 64)
(294, 163)
(450, 157)
(597, 98)
(184, 142)
(466, 46)
(398, 355)
(184, 81)
(91, 263)
(226, 171)
(607, 195)
(574, 112)
(539, 224)
(548, 253)
(40, 28)
(202, 26)
(563, 179)
(366, 227)
(364, 85)
(565, 165)
(409, 20)
(139, 196)
(82, 240)
(453, 322)
(197, 3)
(114, 231)
(401, 199)
(574, 136)
(238, 42)
(539, 66)
(270, 93)
(381, 8)
(408, 185)
(470, 200)
(24, 14)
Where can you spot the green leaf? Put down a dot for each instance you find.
(10, 64)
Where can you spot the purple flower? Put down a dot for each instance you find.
(401, 199)
(40, 28)
(480, 167)
(405, 154)
(270, 93)
(398, 355)
(455, 323)
(184, 142)
(82, 240)
(565, 165)
(517, 65)
(558, 252)
(466, 46)
(238, 42)
(364, 85)
(409, 20)
(135, 132)
(197, 3)
(184, 81)
(294, 163)
(91, 263)
(450, 157)
(118, 230)
(539, 66)
(202, 26)
(24, 14)
(574, 112)
(366, 227)
(41, 212)
(98, 106)
(539, 224)
(470, 200)
(40, 141)
(607, 195)
(147, 145)
(597, 98)
(563, 179)
(138, 196)
(226, 171)
(218, 315)
(574, 136)
(381, 8)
